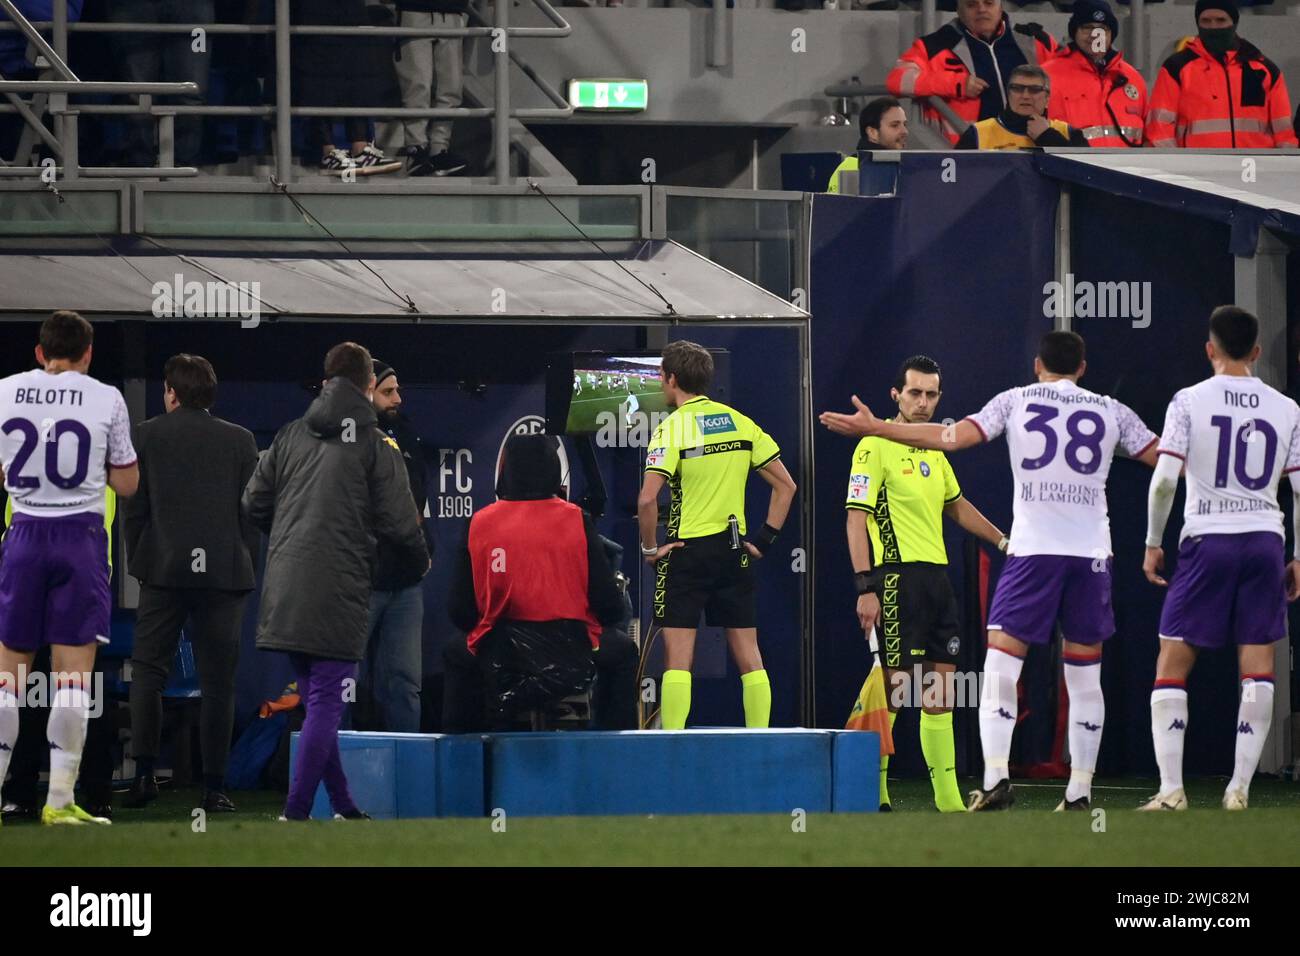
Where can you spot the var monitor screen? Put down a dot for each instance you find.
(593, 391)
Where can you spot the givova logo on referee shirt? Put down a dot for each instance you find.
(714, 424)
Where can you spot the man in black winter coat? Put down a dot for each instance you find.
(329, 489)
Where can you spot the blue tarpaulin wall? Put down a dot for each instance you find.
(264, 377)
(956, 270)
(951, 269)
(954, 266)
(1187, 262)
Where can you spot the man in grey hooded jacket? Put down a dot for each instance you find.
(328, 489)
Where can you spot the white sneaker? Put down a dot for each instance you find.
(336, 162)
(1174, 800)
(1234, 800)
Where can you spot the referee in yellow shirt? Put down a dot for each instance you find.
(896, 502)
(704, 451)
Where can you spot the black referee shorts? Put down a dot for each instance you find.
(918, 616)
(705, 575)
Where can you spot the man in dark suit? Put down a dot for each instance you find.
(193, 554)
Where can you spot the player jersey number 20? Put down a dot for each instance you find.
(53, 433)
(1085, 431)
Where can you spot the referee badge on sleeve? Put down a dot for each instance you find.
(858, 487)
(655, 457)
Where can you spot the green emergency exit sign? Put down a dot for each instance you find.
(593, 94)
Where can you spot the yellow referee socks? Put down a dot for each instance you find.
(756, 693)
(884, 767)
(676, 692)
(941, 757)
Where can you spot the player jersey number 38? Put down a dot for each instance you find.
(1062, 439)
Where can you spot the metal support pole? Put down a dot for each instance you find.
(61, 29)
(807, 643)
(1137, 19)
(167, 139)
(283, 88)
(718, 35)
(929, 17)
(34, 37)
(71, 154)
(1065, 320)
(501, 105)
(34, 123)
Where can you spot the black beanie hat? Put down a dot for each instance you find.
(1227, 6)
(1088, 12)
(530, 468)
(382, 371)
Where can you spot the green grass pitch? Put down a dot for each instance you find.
(915, 835)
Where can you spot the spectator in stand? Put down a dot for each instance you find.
(340, 71)
(1094, 89)
(430, 71)
(883, 124)
(1219, 91)
(164, 58)
(15, 66)
(968, 61)
(1024, 123)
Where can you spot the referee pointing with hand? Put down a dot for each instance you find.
(705, 451)
(896, 501)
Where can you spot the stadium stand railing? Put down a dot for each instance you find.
(63, 138)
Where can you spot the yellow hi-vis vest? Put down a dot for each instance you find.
(993, 135)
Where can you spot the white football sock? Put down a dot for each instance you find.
(998, 713)
(1168, 727)
(8, 726)
(1254, 717)
(1087, 715)
(66, 732)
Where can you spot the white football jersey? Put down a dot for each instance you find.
(58, 435)
(1238, 437)
(1062, 439)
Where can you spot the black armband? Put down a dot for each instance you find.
(765, 538)
(868, 582)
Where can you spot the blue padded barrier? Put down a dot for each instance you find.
(405, 776)
(606, 773)
(680, 772)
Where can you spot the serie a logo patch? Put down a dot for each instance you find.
(714, 424)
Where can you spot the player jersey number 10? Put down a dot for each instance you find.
(1080, 439)
(53, 432)
(1246, 436)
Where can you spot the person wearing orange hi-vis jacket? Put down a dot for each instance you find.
(1093, 88)
(968, 62)
(1219, 91)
